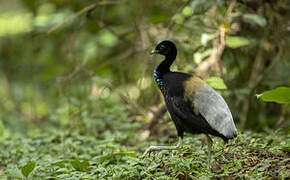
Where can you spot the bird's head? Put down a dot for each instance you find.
(166, 48)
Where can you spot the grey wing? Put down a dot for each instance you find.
(215, 110)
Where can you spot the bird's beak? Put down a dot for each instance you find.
(154, 52)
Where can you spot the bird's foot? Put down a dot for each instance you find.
(159, 148)
(148, 151)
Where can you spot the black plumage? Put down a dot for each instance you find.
(181, 109)
(193, 105)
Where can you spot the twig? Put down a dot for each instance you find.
(69, 76)
(282, 116)
(218, 48)
(84, 10)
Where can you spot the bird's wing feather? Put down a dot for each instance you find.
(179, 106)
(186, 118)
(207, 102)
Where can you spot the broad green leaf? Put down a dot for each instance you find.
(255, 19)
(216, 82)
(279, 95)
(80, 165)
(28, 168)
(235, 42)
(187, 11)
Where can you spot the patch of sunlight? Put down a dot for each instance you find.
(133, 92)
(41, 109)
(107, 38)
(174, 67)
(46, 8)
(106, 92)
(47, 21)
(144, 82)
(11, 23)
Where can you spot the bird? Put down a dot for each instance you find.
(193, 105)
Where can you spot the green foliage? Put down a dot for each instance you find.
(236, 42)
(198, 57)
(255, 19)
(77, 92)
(61, 154)
(80, 165)
(279, 95)
(28, 168)
(187, 11)
(216, 83)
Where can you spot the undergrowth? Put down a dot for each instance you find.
(109, 146)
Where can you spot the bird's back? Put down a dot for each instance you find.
(173, 83)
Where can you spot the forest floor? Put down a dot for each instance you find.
(113, 152)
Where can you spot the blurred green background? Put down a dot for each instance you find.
(78, 100)
(71, 64)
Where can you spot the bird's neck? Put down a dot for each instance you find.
(163, 68)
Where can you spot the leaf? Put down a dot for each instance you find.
(205, 37)
(60, 164)
(255, 19)
(80, 165)
(187, 11)
(117, 154)
(216, 82)
(178, 19)
(236, 42)
(198, 57)
(279, 95)
(108, 39)
(28, 168)
(158, 18)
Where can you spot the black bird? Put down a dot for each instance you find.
(193, 105)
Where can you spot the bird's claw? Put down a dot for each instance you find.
(148, 151)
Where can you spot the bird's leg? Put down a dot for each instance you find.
(159, 148)
(209, 143)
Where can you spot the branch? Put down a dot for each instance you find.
(84, 10)
(218, 49)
